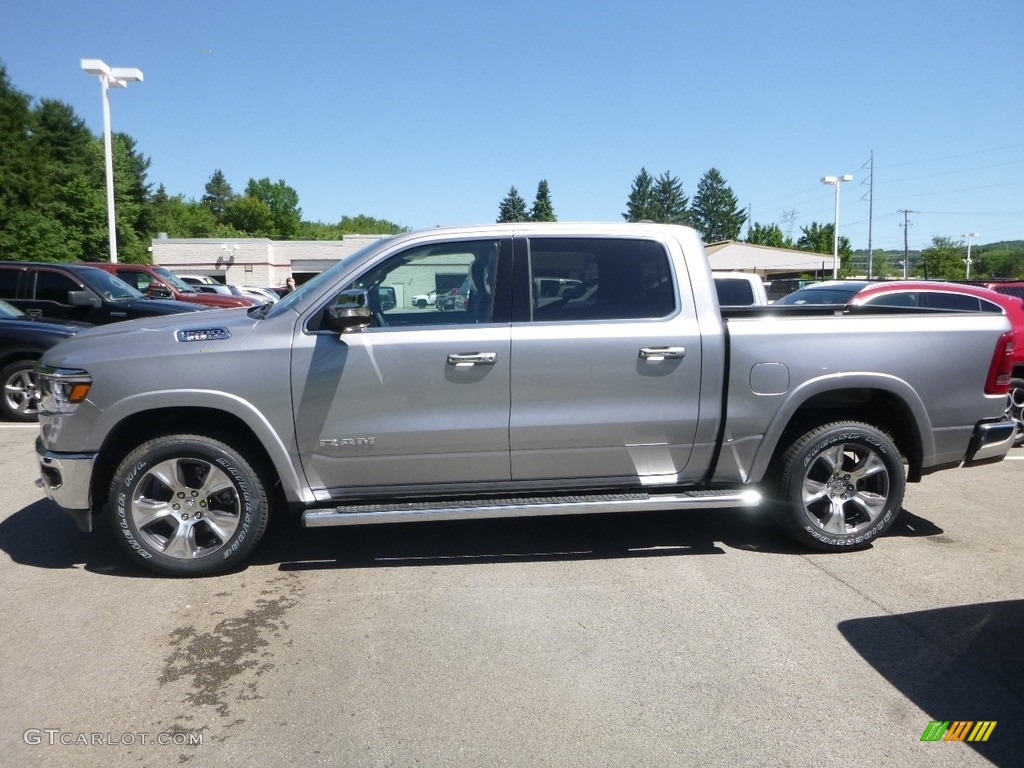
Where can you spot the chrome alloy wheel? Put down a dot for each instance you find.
(186, 508)
(21, 396)
(845, 488)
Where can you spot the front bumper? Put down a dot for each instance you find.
(991, 441)
(65, 478)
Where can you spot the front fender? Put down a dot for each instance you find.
(162, 400)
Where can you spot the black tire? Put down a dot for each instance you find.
(19, 400)
(1015, 409)
(187, 505)
(841, 485)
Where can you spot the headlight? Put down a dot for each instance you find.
(62, 389)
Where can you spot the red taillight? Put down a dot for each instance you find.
(1001, 371)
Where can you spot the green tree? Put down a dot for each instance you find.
(19, 173)
(767, 234)
(1002, 261)
(542, 209)
(512, 208)
(180, 218)
(28, 235)
(944, 259)
(251, 216)
(820, 238)
(368, 225)
(670, 204)
(218, 194)
(883, 264)
(131, 200)
(716, 212)
(283, 203)
(640, 205)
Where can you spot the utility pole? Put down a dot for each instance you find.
(906, 249)
(789, 217)
(871, 208)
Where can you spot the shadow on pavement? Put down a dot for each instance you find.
(42, 536)
(959, 663)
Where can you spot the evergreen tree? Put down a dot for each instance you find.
(18, 174)
(669, 203)
(542, 209)
(640, 203)
(512, 208)
(716, 213)
(218, 194)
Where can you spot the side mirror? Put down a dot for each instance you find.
(83, 299)
(157, 291)
(350, 312)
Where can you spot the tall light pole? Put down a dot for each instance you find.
(836, 181)
(110, 77)
(967, 261)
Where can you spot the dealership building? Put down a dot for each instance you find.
(261, 262)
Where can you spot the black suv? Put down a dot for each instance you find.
(78, 292)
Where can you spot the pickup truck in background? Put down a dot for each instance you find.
(78, 293)
(631, 390)
(160, 283)
(740, 289)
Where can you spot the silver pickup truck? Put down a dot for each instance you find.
(623, 388)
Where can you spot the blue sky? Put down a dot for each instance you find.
(426, 113)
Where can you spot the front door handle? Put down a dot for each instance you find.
(471, 359)
(656, 354)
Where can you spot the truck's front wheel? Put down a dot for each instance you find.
(841, 485)
(187, 505)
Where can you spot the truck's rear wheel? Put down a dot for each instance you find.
(841, 485)
(187, 505)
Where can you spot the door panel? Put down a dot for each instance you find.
(422, 399)
(606, 378)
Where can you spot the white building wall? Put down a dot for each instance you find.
(255, 261)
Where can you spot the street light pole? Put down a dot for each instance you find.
(110, 77)
(836, 181)
(967, 261)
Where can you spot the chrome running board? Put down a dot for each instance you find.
(527, 506)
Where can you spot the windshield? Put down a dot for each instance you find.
(174, 280)
(312, 286)
(6, 310)
(111, 287)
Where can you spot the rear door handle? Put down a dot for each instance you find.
(656, 354)
(471, 359)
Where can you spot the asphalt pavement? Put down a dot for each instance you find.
(660, 639)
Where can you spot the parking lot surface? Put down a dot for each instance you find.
(656, 639)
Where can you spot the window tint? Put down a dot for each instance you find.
(438, 284)
(908, 299)
(52, 286)
(138, 280)
(733, 292)
(9, 283)
(578, 279)
(958, 302)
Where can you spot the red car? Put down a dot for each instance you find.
(954, 296)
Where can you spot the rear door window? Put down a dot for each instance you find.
(9, 283)
(53, 286)
(578, 279)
